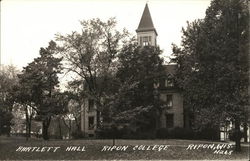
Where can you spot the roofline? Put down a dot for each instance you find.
(145, 30)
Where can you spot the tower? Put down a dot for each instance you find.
(146, 33)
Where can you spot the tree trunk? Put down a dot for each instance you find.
(28, 123)
(237, 135)
(29, 127)
(113, 143)
(97, 119)
(68, 127)
(60, 128)
(46, 123)
(245, 131)
(78, 124)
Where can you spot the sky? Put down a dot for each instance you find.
(28, 25)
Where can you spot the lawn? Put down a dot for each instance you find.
(11, 149)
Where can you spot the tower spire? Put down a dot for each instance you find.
(146, 23)
(146, 32)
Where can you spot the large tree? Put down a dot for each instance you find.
(213, 65)
(91, 55)
(135, 101)
(39, 86)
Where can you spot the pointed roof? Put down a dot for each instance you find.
(146, 23)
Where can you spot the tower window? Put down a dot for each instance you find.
(146, 40)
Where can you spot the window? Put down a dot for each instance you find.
(140, 40)
(91, 105)
(169, 120)
(169, 82)
(145, 40)
(91, 123)
(170, 101)
(145, 44)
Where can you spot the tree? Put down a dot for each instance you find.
(8, 79)
(140, 68)
(213, 65)
(39, 82)
(91, 55)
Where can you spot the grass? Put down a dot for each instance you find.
(176, 150)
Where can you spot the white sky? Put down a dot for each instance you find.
(27, 25)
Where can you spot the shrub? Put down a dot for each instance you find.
(232, 135)
(188, 134)
(139, 135)
(174, 133)
(208, 134)
(124, 132)
(78, 134)
(109, 133)
(162, 133)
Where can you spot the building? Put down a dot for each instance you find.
(88, 117)
(173, 115)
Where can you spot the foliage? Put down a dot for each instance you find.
(213, 64)
(18, 121)
(38, 86)
(5, 121)
(109, 133)
(232, 135)
(91, 54)
(162, 133)
(134, 102)
(187, 133)
(76, 96)
(174, 133)
(78, 134)
(8, 79)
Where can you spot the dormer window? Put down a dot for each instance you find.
(169, 82)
